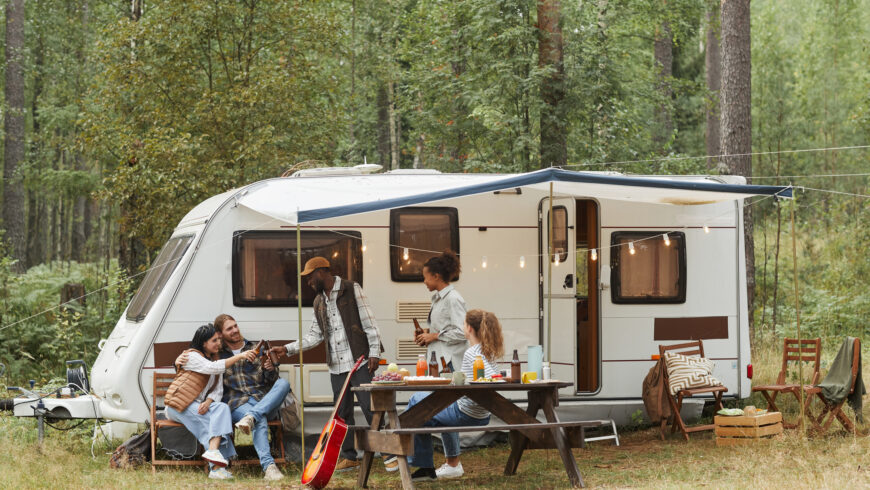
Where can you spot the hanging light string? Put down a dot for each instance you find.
(834, 192)
(755, 153)
(815, 176)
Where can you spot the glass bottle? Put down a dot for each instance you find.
(421, 365)
(516, 369)
(444, 367)
(478, 368)
(433, 365)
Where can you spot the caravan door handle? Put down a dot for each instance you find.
(569, 281)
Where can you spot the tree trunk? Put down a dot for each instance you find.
(713, 77)
(554, 151)
(394, 127)
(35, 196)
(383, 102)
(13, 148)
(664, 57)
(736, 107)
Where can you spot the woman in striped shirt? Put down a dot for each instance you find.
(483, 331)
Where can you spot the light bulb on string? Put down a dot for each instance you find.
(483, 262)
(706, 229)
(405, 254)
(631, 248)
(522, 261)
(556, 259)
(364, 246)
(594, 254)
(667, 240)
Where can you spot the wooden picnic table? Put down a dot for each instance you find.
(526, 431)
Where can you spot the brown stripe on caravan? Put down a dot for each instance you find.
(165, 353)
(691, 328)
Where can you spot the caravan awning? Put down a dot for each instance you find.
(302, 200)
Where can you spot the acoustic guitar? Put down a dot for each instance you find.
(322, 462)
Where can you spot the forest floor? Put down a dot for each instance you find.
(833, 460)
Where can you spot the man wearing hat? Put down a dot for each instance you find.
(344, 320)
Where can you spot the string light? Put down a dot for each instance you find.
(522, 261)
(667, 240)
(405, 254)
(335, 255)
(483, 262)
(631, 248)
(594, 253)
(706, 229)
(364, 246)
(556, 259)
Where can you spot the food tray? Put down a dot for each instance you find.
(430, 381)
(388, 382)
(487, 382)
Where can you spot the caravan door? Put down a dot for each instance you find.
(558, 287)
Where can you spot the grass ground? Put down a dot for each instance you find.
(833, 460)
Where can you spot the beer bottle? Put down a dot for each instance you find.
(417, 329)
(433, 365)
(444, 367)
(516, 371)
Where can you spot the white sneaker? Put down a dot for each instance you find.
(447, 472)
(391, 464)
(273, 473)
(220, 473)
(215, 457)
(246, 424)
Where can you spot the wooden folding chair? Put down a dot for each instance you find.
(676, 401)
(161, 385)
(809, 350)
(834, 410)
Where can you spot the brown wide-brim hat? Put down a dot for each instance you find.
(314, 264)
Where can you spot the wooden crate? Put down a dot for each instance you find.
(734, 431)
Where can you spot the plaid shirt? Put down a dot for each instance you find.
(245, 380)
(340, 358)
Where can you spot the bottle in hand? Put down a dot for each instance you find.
(516, 370)
(478, 368)
(433, 366)
(417, 329)
(421, 365)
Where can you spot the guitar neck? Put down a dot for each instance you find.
(344, 388)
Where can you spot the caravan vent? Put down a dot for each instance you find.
(407, 349)
(406, 311)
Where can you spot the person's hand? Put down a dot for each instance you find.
(267, 363)
(279, 350)
(181, 360)
(374, 362)
(249, 355)
(425, 339)
(203, 407)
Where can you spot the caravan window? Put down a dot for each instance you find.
(423, 233)
(157, 276)
(264, 264)
(560, 234)
(655, 273)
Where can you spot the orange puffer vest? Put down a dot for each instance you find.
(186, 386)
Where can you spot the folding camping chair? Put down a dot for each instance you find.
(834, 410)
(676, 401)
(810, 350)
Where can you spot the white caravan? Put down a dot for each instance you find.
(636, 262)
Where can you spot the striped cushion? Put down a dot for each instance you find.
(689, 372)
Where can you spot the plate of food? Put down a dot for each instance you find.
(426, 380)
(388, 378)
(387, 382)
(488, 380)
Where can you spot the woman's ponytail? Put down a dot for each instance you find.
(488, 330)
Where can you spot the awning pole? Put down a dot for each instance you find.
(550, 275)
(299, 311)
(797, 309)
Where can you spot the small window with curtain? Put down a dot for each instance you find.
(560, 234)
(416, 234)
(265, 265)
(648, 267)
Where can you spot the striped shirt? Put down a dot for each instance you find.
(340, 357)
(467, 406)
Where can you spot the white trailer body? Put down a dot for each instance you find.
(235, 253)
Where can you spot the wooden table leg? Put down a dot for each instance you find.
(404, 470)
(548, 403)
(519, 441)
(365, 467)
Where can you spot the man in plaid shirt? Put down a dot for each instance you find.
(344, 320)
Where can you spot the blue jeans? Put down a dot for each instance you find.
(262, 411)
(450, 416)
(216, 422)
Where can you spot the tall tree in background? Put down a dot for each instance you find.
(713, 77)
(664, 60)
(554, 151)
(13, 196)
(736, 107)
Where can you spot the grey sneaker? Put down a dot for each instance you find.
(220, 473)
(447, 472)
(273, 473)
(246, 424)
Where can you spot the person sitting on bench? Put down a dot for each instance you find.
(194, 398)
(483, 331)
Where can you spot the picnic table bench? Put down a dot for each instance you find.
(526, 431)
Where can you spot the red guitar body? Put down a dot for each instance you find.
(321, 464)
